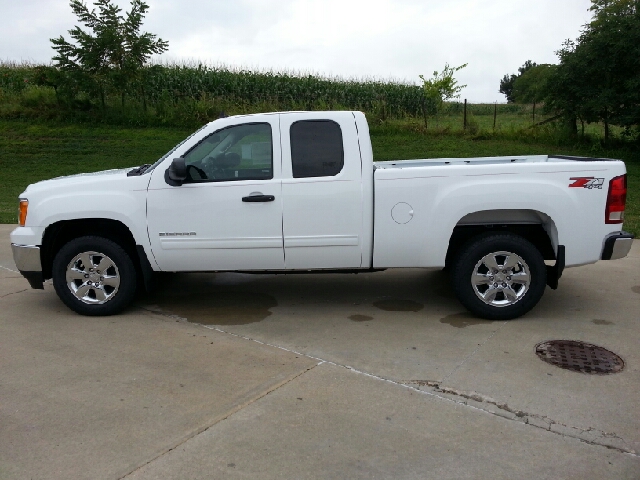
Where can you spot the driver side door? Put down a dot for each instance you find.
(228, 214)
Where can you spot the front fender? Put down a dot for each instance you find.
(128, 208)
(110, 195)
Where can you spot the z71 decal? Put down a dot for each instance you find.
(586, 182)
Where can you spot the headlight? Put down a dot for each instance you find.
(22, 214)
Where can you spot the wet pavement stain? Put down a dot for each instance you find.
(220, 307)
(210, 304)
(602, 322)
(636, 289)
(463, 320)
(360, 318)
(398, 305)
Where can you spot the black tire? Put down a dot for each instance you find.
(499, 293)
(94, 292)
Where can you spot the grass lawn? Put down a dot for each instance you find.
(505, 122)
(30, 152)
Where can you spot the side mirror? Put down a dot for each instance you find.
(176, 174)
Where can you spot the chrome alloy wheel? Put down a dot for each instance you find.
(93, 278)
(501, 279)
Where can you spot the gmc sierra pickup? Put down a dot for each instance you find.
(299, 191)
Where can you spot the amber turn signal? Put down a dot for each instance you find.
(22, 215)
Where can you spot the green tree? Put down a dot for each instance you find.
(566, 87)
(439, 89)
(110, 53)
(508, 81)
(531, 86)
(598, 78)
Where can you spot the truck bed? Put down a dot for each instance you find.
(418, 203)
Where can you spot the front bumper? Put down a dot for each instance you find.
(616, 245)
(27, 259)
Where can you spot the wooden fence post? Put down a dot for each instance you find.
(534, 113)
(465, 115)
(495, 114)
(424, 113)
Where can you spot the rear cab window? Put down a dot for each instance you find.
(316, 148)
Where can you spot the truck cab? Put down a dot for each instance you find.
(263, 192)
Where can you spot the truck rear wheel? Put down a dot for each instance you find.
(94, 276)
(499, 276)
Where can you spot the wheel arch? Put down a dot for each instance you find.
(59, 233)
(535, 226)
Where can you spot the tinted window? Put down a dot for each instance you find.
(241, 152)
(316, 148)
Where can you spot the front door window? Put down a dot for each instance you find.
(240, 152)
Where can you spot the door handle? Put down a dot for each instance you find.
(259, 198)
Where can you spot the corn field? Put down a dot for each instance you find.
(183, 94)
(286, 90)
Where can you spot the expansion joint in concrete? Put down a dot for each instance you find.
(471, 400)
(13, 293)
(220, 418)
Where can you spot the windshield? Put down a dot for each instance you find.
(170, 152)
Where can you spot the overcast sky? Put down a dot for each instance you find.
(398, 39)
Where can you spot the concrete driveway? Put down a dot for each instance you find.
(377, 375)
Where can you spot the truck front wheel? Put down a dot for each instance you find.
(499, 276)
(94, 276)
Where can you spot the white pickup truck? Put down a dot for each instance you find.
(298, 192)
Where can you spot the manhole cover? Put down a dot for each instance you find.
(579, 357)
